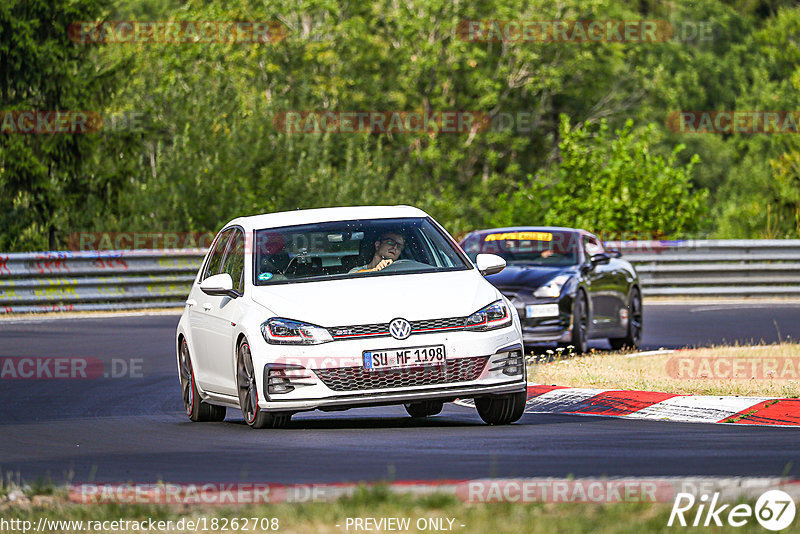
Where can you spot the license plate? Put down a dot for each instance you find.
(541, 310)
(375, 360)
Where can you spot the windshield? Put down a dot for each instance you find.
(547, 248)
(345, 249)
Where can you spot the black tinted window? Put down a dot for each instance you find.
(214, 264)
(347, 248)
(234, 260)
(537, 247)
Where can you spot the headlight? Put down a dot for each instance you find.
(495, 315)
(287, 332)
(552, 289)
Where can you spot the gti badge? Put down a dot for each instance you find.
(400, 329)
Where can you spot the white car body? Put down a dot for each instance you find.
(214, 326)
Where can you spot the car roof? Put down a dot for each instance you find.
(529, 229)
(318, 215)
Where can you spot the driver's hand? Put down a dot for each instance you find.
(383, 264)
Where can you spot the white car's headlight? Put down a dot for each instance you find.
(552, 289)
(279, 331)
(495, 315)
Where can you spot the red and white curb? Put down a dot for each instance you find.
(661, 406)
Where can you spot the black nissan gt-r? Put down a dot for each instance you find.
(565, 285)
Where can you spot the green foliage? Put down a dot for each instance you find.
(787, 187)
(614, 184)
(47, 181)
(209, 150)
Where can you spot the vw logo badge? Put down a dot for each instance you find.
(400, 329)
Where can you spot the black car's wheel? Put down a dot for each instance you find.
(634, 337)
(196, 409)
(580, 324)
(501, 410)
(424, 408)
(248, 394)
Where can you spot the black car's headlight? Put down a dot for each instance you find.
(279, 331)
(495, 315)
(552, 289)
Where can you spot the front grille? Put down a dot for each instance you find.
(359, 330)
(382, 329)
(438, 324)
(357, 378)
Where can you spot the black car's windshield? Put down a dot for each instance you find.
(344, 249)
(547, 248)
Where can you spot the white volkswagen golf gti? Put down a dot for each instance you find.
(339, 308)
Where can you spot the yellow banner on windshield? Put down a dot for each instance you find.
(520, 236)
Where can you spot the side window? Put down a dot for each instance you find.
(472, 246)
(592, 246)
(218, 250)
(234, 260)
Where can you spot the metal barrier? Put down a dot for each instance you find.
(108, 280)
(724, 267)
(102, 280)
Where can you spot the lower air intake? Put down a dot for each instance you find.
(357, 378)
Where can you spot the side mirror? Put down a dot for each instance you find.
(490, 264)
(600, 259)
(219, 285)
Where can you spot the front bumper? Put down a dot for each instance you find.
(362, 400)
(477, 363)
(553, 329)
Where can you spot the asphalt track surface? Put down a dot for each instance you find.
(133, 429)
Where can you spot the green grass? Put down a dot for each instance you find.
(379, 502)
(615, 370)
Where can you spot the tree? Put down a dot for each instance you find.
(43, 189)
(610, 184)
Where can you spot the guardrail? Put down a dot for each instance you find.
(96, 280)
(725, 267)
(109, 280)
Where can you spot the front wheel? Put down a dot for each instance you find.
(634, 337)
(197, 410)
(501, 410)
(580, 324)
(424, 408)
(248, 394)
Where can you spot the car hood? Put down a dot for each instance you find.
(527, 275)
(380, 299)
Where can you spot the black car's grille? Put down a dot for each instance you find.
(357, 378)
(382, 329)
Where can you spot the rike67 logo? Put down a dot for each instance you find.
(774, 510)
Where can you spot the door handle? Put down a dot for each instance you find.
(207, 306)
(191, 302)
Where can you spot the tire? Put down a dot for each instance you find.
(501, 410)
(197, 410)
(633, 339)
(580, 324)
(247, 386)
(424, 408)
